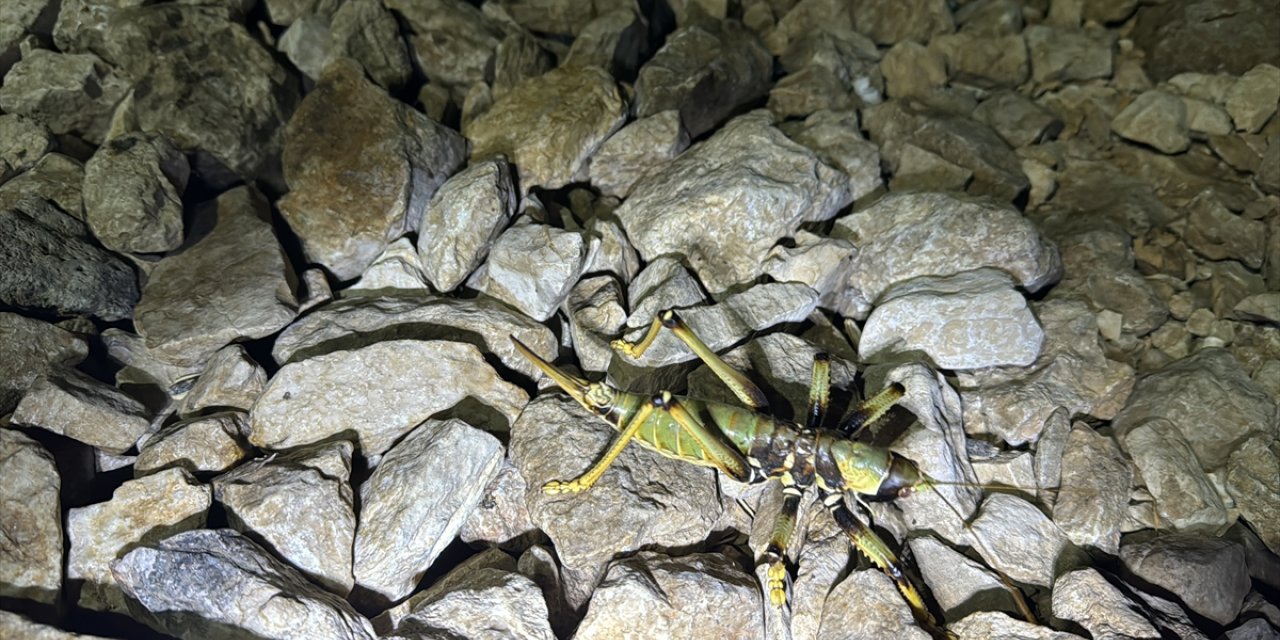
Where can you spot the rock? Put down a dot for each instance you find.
(23, 142)
(1095, 487)
(550, 140)
(821, 263)
(833, 70)
(1063, 54)
(55, 178)
(300, 505)
(219, 584)
(982, 60)
(369, 33)
(1157, 119)
(866, 604)
(352, 194)
(610, 252)
(1185, 497)
(1018, 120)
(595, 314)
(837, 139)
(13, 625)
(960, 585)
(1207, 119)
(1208, 574)
(463, 219)
(141, 368)
(663, 284)
(994, 624)
(1207, 36)
(139, 512)
(699, 596)
(912, 71)
(233, 284)
(210, 443)
(957, 139)
(452, 42)
(1252, 472)
(72, 404)
(49, 265)
(1087, 598)
(400, 533)
(643, 145)
(532, 267)
(518, 57)
(31, 548)
(397, 269)
(706, 71)
(1230, 284)
(693, 205)
(892, 235)
(502, 517)
(73, 93)
(616, 41)
(231, 379)
(31, 348)
(889, 22)
(969, 320)
(133, 190)
(1217, 234)
(314, 399)
(643, 500)
(1018, 539)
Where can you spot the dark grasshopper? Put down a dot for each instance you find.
(751, 446)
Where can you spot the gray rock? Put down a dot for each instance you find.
(1207, 574)
(994, 624)
(616, 40)
(31, 348)
(67, 92)
(560, 18)
(1262, 307)
(643, 145)
(663, 284)
(694, 205)
(31, 547)
(1207, 36)
(982, 60)
(889, 22)
(1253, 481)
(518, 57)
(300, 505)
(1208, 119)
(837, 139)
(351, 194)
(417, 500)
(72, 404)
(804, 19)
(643, 500)
(56, 178)
(23, 141)
(308, 43)
(231, 379)
(1025, 544)
(960, 234)
(1017, 119)
(141, 367)
(1185, 497)
(209, 443)
(961, 586)
(596, 314)
(830, 70)
(957, 139)
(1253, 629)
(912, 71)
(452, 42)
(611, 251)
(1095, 487)
(1061, 54)
(549, 139)
(48, 264)
(13, 625)
(218, 584)
(397, 269)
(867, 605)
(502, 517)
(706, 71)
(1217, 234)
(369, 33)
(1157, 119)
(1230, 284)
(1090, 600)
(652, 595)
(140, 512)
(532, 267)
(329, 394)
(823, 264)
(463, 219)
(133, 190)
(990, 16)
(970, 320)
(233, 284)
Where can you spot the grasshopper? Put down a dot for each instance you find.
(751, 446)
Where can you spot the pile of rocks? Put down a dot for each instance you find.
(260, 264)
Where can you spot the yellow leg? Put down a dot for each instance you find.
(819, 391)
(714, 448)
(775, 553)
(871, 410)
(746, 391)
(588, 479)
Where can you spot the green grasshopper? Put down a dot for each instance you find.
(751, 446)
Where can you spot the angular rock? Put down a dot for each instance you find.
(230, 380)
(994, 624)
(1095, 486)
(1185, 497)
(502, 518)
(837, 139)
(139, 512)
(642, 145)
(72, 93)
(351, 194)
(398, 268)
(218, 584)
(31, 540)
(31, 348)
(72, 404)
(960, 585)
(911, 70)
(643, 500)
(367, 32)
(143, 368)
(133, 190)
(1217, 234)
(1206, 36)
(209, 443)
(452, 42)
(300, 505)
(48, 264)
(329, 394)
(1253, 481)
(1024, 542)
(889, 22)
(616, 40)
(663, 284)
(233, 284)
(867, 605)
(1262, 307)
(1017, 119)
(695, 205)
(903, 236)
(1061, 54)
(706, 71)
(464, 217)
(23, 141)
(971, 320)
(982, 60)
(611, 251)
(828, 71)
(699, 596)
(549, 139)
(822, 263)
(595, 313)
(417, 500)
(1086, 598)
(1157, 119)
(532, 267)
(1252, 100)
(1208, 574)
(518, 57)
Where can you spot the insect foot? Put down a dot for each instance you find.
(777, 583)
(556, 487)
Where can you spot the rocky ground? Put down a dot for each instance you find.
(260, 262)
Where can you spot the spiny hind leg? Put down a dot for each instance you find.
(819, 391)
(872, 409)
(588, 479)
(742, 387)
(879, 553)
(775, 554)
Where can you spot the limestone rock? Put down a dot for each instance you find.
(30, 507)
(133, 193)
(464, 217)
(31, 348)
(72, 404)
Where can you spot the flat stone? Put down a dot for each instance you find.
(1185, 497)
(31, 548)
(31, 348)
(133, 190)
(1207, 574)
(220, 584)
(72, 93)
(1157, 119)
(995, 624)
(1025, 543)
(203, 444)
(983, 60)
(1085, 597)
(326, 395)
(233, 284)
(642, 145)
(463, 219)
(230, 380)
(549, 139)
(1095, 487)
(301, 505)
(352, 194)
(416, 501)
(72, 404)
(139, 511)
(397, 269)
(533, 267)
(1061, 54)
(694, 205)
